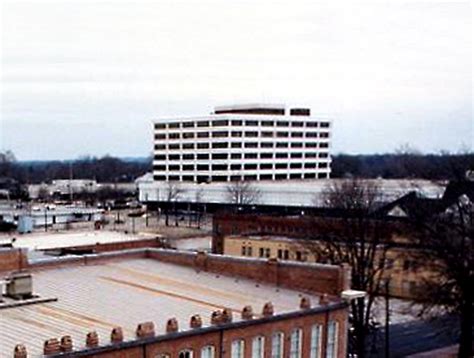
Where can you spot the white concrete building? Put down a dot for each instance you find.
(247, 142)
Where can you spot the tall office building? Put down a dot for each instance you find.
(245, 142)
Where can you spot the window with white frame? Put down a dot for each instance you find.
(277, 345)
(295, 343)
(187, 353)
(316, 334)
(238, 347)
(208, 352)
(331, 344)
(258, 347)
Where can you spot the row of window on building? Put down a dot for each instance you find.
(238, 156)
(225, 145)
(238, 134)
(281, 254)
(238, 123)
(228, 178)
(236, 167)
(258, 345)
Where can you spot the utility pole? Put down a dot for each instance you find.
(45, 219)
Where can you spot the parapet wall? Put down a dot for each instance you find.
(311, 278)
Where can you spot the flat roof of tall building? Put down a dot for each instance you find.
(99, 297)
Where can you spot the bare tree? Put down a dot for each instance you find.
(173, 192)
(242, 193)
(447, 242)
(361, 239)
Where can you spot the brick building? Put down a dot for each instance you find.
(165, 303)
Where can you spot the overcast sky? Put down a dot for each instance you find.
(88, 77)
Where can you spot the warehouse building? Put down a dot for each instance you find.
(165, 303)
(246, 142)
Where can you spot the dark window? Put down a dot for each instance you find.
(310, 176)
(236, 134)
(236, 145)
(203, 145)
(250, 155)
(324, 124)
(295, 165)
(203, 124)
(323, 145)
(251, 123)
(159, 167)
(323, 176)
(311, 145)
(250, 177)
(235, 178)
(251, 145)
(173, 177)
(173, 146)
(311, 124)
(296, 155)
(266, 145)
(188, 156)
(160, 157)
(235, 155)
(261, 252)
(188, 124)
(266, 177)
(297, 134)
(160, 136)
(295, 176)
(219, 178)
(235, 167)
(220, 123)
(173, 125)
(280, 176)
(202, 167)
(312, 135)
(160, 125)
(281, 166)
(188, 178)
(188, 146)
(219, 167)
(202, 179)
(160, 146)
(220, 145)
(203, 134)
(266, 166)
(282, 145)
(173, 136)
(281, 155)
(174, 157)
(324, 135)
(188, 167)
(323, 165)
(268, 123)
(188, 135)
(323, 155)
(250, 166)
(309, 165)
(219, 156)
(203, 156)
(236, 123)
(282, 134)
(173, 167)
(159, 177)
(297, 145)
(251, 134)
(267, 134)
(266, 155)
(297, 124)
(220, 134)
(283, 124)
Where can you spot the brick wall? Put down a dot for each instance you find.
(12, 260)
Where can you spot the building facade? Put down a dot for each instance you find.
(248, 142)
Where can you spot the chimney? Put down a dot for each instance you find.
(172, 325)
(51, 346)
(196, 321)
(267, 310)
(92, 339)
(20, 351)
(216, 317)
(145, 330)
(66, 344)
(247, 312)
(116, 336)
(305, 303)
(324, 299)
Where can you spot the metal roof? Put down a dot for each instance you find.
(125, 293)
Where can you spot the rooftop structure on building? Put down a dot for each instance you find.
(165, 303)
(243, 142)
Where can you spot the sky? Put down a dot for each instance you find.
(83, 77)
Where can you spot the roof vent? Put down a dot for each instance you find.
(66, 344)
(305, 303)
(51, 346)
(267, 310)
(172, 325)
(247, 312)
(145, 330)
(196, 321)
(227, 315)
(92, 339)
(19, 285)
(116, 336)
(20, 351)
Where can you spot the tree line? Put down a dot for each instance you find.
(109, 169)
